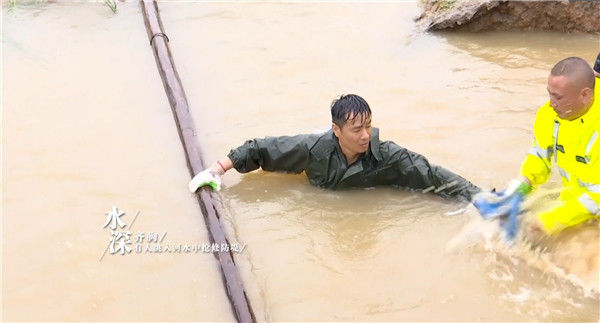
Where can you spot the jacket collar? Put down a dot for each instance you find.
(375, 144)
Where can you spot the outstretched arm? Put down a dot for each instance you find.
(415, 172)
(285, 154)
(276, 154)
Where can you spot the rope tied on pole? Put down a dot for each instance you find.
(159, 35)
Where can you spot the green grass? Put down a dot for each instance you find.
(446, 4)
(12, 4)
(112, 4)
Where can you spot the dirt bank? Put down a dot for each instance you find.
(480, 15)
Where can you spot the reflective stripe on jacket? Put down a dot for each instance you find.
(574, 148)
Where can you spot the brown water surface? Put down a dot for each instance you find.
(467, 101)
(87, 126)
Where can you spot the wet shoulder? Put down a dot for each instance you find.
(389, 150)
(321, 144)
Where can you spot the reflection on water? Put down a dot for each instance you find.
(314, 243)
(349, 221)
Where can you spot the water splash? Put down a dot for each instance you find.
(554, 279)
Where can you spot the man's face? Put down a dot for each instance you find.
(568, 99)
(354, 136)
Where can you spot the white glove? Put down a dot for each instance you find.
(204, 178)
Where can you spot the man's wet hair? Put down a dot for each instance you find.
(577, 69)
(346, 106)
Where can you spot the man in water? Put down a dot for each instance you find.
(348, 155)
(566, 132)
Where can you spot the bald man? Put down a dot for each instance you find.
(566, 132)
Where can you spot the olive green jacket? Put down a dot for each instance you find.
(320, 156)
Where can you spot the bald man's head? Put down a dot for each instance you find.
(571, 88)
(577, 70)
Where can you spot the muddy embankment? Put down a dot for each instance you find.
(481, 15)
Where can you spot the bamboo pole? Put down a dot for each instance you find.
(185, 126)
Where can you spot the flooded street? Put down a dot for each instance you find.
(86, 125)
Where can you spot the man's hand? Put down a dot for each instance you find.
(205, 178)
(492, 205)
(211, 176)
(505, 205)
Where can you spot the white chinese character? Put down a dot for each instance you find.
(122, 240)
(114, 218)
(152, 237)
(214, 247)
(205, 247)
(157, 248)
(224, 247)
(139, 238)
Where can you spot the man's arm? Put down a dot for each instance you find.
(284, 154)
(537, 165)
(416, 172)
(277, 154)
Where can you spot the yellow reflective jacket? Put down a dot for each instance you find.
(574, 148)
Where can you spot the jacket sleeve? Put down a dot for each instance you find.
(579, 203)
(538, 162)
(588, 194)
(414, 171)
(281, 154)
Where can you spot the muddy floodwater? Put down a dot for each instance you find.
(87, 126)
